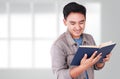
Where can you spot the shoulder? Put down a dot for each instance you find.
(59, 45)
(60, 40)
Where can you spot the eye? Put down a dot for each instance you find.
(72, 23)
(81, 22)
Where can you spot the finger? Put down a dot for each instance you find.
(100, 54)
(84, 58)
(106, 59)
(93, 55)
(109, 55)
(97, 58)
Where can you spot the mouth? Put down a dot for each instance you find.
(77, 31)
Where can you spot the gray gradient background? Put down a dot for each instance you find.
(110, 31)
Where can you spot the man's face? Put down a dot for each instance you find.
(75, 23)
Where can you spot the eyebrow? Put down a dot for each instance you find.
(72, 21)
(75, 22)
(82, 20)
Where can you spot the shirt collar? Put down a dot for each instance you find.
(85, 39)
(71, 40)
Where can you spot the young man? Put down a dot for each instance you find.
(65, 47)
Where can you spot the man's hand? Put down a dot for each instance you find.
(101, 64)
(107, 58)
(85, 64)
(90, 61)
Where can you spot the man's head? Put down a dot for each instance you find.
(74, 18)
(73, 7)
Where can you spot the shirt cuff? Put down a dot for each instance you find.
(98, 68)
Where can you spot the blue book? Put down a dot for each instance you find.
(104, 48)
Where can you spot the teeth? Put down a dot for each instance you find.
(77, 31)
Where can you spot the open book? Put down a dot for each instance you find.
(104, 48)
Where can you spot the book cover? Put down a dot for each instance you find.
(104, 48)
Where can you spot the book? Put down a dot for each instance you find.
(104, 48)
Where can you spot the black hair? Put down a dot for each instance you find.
(73, 7)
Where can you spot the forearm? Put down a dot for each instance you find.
(76, 71)
(85, 64)
(62, 74)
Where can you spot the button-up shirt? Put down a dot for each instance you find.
(62, 53)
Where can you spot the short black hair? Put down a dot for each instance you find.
(73, 7)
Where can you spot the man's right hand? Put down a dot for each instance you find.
(88, 62)
(85, 64)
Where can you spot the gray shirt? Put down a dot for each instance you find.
(62, 53)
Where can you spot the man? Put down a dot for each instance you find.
(65, 47)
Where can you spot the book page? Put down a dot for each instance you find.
(100, 46)
(105, 44)
(89, 46)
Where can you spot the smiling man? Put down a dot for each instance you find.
(75, 23)
(65, 47)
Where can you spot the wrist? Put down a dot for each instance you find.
(82, 67)
(76, 71)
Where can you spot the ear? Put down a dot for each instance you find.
(64, 21)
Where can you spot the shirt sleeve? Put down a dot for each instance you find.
(59, 63)
(98, 68)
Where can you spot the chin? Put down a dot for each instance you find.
(78, 34)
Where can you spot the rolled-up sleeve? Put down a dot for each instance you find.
(98, 68)
(59, 63)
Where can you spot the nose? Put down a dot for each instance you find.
(78, 26)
